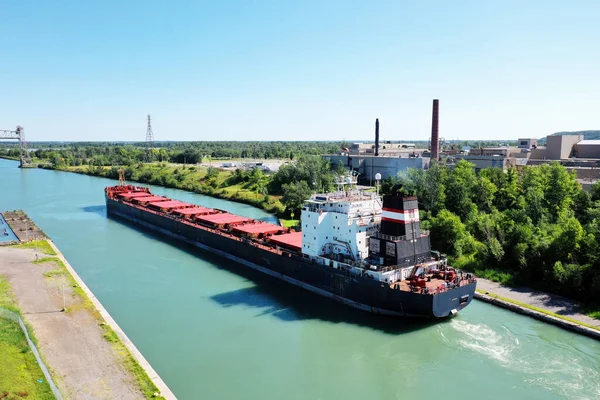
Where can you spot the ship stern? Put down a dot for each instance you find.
(451, 302)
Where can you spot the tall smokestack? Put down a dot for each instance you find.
(376, 136)
(435, 132)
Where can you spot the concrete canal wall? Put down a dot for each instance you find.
(563, 323)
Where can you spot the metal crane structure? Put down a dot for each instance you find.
(19, 134)
(149, 140)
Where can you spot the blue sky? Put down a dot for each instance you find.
(298, 70)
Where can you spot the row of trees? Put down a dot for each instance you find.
(107, 154)
(535, 223)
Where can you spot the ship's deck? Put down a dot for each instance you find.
(435, 285)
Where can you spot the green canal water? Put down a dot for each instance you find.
(212, 330)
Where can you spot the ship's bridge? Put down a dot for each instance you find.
(337, 225)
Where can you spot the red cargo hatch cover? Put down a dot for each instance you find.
(291, 240)
(194, 210)
(129, 195)
(151, 199)
(258, 228)
(222, 219)
(171, 204)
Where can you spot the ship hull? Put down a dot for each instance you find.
(342, 286)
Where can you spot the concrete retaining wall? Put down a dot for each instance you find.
(572, 326)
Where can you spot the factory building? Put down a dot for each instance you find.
(369, 165)
(587, 149)
(558, 147)
(387, 158)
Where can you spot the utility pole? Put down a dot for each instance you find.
(63, 292)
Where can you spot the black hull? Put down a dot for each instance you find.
(356, 291)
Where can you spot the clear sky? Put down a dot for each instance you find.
(298, 70)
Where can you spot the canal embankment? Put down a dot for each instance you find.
(542, 306)
(87, 353)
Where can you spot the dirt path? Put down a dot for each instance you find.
(72, 344)
(553, 303)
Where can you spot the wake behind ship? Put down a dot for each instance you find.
(355, 247)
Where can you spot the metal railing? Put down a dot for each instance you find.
(397, 238)
(7, 314)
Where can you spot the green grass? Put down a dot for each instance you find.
(501, 277)
(6, 298)
(540, 310)
(42, 245)
(61, 271)
(593, 314)
(469, 263)
(144, 382)
(19, 371)
(290, 223)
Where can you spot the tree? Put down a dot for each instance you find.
(562, 187)
(294, 195)
(258, 181)
(459, 189)
(449, 234)
(595, 191)
(483, 194)
(211, 173)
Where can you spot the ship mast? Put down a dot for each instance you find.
(121, 177)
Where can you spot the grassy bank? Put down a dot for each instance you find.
(41, 245)
(468, 263)
(223, 184)
(20, 374)
(144, 382)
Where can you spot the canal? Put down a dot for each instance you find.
(213, 330)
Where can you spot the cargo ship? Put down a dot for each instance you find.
(358, 248)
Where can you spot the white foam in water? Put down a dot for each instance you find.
(565, 376)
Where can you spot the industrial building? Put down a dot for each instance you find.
(369, 165)
(572, 151)
(387, 158)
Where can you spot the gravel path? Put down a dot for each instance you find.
(553, 303)
(84, 364)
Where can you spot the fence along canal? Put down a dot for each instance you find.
(7, 314)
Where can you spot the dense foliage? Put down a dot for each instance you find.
(106, 154)
(534, 225)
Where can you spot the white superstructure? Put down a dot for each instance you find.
(337, 225)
